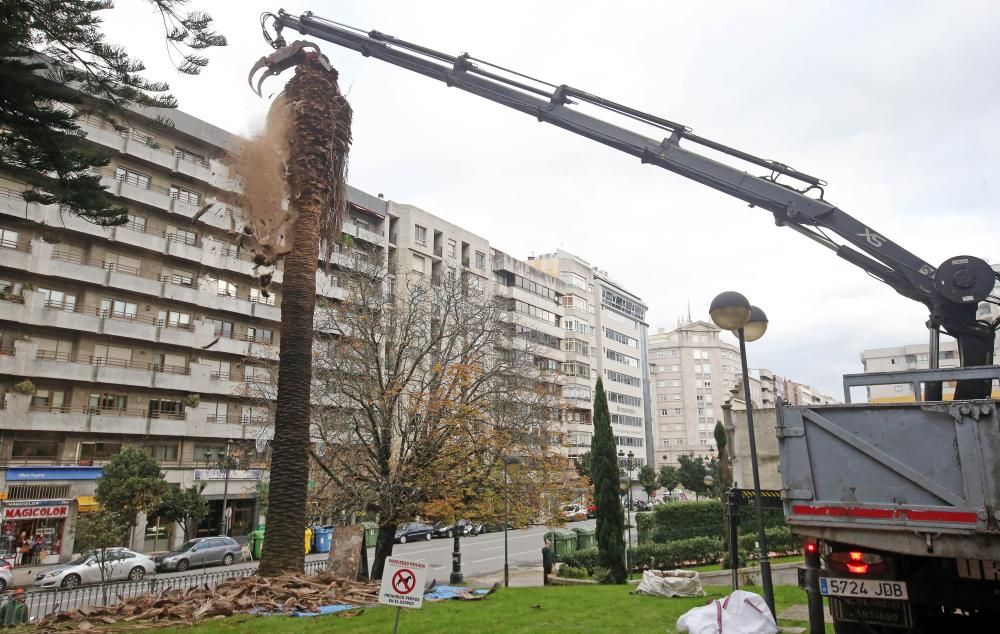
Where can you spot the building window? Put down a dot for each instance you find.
(184, 236)
(222, 328)
(45, 398)
(107, 401)
(480, 260)
(420, 235)
(135, 179)
(90, 451)
(260, 335)
(226, 289)
(418, 263)
(189, 156)
(8, 239)
(136, 223)
(173, 319)
(452, 246)
(118, 309)
(257, 297)
(208, 454)
(632, 342)
(162, 453)
(185, 195)
(624, 359)
(58, 299)
(34, 449)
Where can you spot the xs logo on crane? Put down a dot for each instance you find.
(873, 238)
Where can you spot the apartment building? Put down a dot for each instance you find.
(916, 357)
(774, 387)
(694, 372)
(608, 321)
(149, 334)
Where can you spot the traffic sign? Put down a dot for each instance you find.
(403, 583)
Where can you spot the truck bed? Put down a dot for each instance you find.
(913, 478)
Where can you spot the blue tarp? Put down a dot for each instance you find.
(326, 609)
(441, 593)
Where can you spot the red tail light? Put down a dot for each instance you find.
(811, 547)
(857, 562)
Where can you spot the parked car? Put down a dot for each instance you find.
(573, 512)
(591, 511)
(413, 531)
(464, 528)
(643, 505)
(6, 575)
(118, 564)
(200, 552)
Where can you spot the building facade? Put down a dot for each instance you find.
(694, 372)
(609, 320)
(147, 334)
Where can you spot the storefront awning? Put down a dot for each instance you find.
(87, 503)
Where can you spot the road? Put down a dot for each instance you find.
(481, 555)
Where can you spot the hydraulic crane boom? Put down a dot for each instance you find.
(951, 292)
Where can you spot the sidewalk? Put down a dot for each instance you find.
(519, 577)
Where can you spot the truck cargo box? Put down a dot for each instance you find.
(911, 478)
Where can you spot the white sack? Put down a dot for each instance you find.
(670, 583)
(740, 613)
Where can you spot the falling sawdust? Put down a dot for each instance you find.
(299, 160)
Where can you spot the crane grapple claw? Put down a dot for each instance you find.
(284, 58)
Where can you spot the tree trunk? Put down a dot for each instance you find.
(383, 549)
(311, 136)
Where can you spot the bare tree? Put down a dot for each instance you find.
(420, 393)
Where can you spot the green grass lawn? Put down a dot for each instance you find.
(519, 610)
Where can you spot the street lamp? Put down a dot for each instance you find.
(507, 461)
(628, 461)
(623, 485)
(226, 461)
(732, 311)
(709, 482)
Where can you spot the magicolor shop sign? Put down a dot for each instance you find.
(35, 509)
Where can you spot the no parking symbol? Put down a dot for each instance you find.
(403, 583)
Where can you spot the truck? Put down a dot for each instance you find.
(897, 504)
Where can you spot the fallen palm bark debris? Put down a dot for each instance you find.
(284, 594)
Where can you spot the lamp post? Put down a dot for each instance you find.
(623, 486)
(507, 461)
(629, 461)
(731, 311)
(225, 460)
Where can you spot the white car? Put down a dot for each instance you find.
(6, 576)
(118, 564)
(574, 512)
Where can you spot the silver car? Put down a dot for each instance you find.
(6, 576)
(204, 551)
(116, 564)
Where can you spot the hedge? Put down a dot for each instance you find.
(780, 540)
(683, 552)
(684, 520)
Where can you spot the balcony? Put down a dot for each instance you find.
(439, 251)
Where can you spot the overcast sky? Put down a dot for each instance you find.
(896, 104)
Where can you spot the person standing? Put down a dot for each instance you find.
(14, 612)
(547, 561)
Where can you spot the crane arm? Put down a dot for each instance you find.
(795, 199)
(906, 273)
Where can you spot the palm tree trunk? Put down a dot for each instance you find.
(312, 96)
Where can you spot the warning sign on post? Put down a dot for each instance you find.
(403, 583)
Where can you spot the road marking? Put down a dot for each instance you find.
(510, 556)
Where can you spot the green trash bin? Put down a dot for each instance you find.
(256, 542)
(371, 534)
(585, 537)
(563, 541)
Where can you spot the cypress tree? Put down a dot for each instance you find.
(604, 473)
